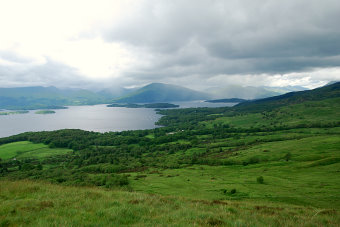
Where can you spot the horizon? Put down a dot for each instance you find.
(195, 44)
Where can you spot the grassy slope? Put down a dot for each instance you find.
(27, 149)
(41, 204)
(315, 153)
(298, 181)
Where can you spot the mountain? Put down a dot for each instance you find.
(331, 82)
(286, 89)
(321, 93)
(46, 97)
(115, 92)
(237, 91)
(158, 92)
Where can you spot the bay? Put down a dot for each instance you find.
(97, 118)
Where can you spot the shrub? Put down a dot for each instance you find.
(254, 160)
(233, 191)
(116, 180)
(260, 180)
(288, 156)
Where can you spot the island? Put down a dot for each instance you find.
(148, 105)
(14, 112)
(45, 112)
(232, 100)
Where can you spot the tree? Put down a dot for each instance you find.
(260, 180)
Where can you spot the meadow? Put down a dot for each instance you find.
(28, 203)
(26, 149)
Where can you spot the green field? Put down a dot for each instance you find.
(27, 149)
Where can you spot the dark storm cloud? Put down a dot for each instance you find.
(47, 74)
(231, 37)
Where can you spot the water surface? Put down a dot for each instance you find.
(98, 118)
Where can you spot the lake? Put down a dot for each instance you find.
(98, 118)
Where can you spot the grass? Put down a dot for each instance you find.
(301, 180)
(281, 184)
(27, 149)
(40, 204)
(288, 115)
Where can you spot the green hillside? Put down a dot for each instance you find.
(271, 162)
(330, 91)
(249, 92)
(27, 203)
(157, 92)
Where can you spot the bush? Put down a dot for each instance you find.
(254, 160)
(288, 156)
(233, 191)
(260, 180)
(116, 180)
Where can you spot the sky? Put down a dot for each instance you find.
(194, 43)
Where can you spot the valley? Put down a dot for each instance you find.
(276, 160)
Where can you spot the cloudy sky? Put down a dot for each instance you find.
(194, 43)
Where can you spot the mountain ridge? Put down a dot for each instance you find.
(159, 92)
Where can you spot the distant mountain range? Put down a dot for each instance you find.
(249, 92)
(46, 97)
(51, 97)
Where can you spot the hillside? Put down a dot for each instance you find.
(326, 92)
(46, 97)
(269, 162)
(158, 92)
(28, 203)
(236, 91)
(250, 92)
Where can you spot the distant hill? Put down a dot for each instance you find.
(115, 92)
(158, 92)
(148, 105)
(237, 91)
(250, 92)
(46, 97)
(325, 92)
(286, 89)
(331, 82)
